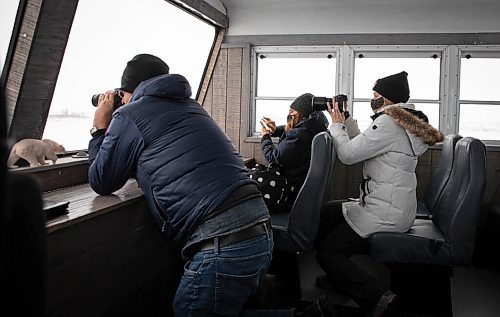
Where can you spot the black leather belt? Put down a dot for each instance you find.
(257, 229)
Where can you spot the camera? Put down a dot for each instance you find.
(117, 100)
(319, 103)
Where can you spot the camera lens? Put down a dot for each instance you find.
(319, 103)
(117, 101)
(95, 99)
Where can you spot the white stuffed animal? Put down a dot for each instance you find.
(35, 151)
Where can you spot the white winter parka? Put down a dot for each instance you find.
(390, 148)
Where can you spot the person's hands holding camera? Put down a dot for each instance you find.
(335, 114)
(346, 112)
(104, 111)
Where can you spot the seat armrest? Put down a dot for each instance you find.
(423, 216)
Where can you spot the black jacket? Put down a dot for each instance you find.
(293, 151)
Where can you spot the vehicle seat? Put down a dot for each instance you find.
(440, 177)
(447, 239)
(296, 230)
(421, 260)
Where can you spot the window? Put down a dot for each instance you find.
(424, 75)
(7, 20)
(287, 72)
(479, 103)
(104, 36)
(455, 86)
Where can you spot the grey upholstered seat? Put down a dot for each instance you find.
(296, 230)
(447, 239)
(440, 177)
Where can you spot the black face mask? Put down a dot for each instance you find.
(377, 103)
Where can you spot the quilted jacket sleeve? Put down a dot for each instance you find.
(113, 157)
(379, 138)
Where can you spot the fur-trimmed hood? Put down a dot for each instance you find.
(406, 117)
(415, 125)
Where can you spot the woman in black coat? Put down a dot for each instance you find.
(292, 154)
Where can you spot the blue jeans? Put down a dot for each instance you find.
(219, 282)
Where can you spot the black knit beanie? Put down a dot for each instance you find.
(140, 68)
(303, 104)
(394, 87)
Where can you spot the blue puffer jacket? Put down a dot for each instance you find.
(293, 152)
(182, 160)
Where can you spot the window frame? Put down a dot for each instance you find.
(284, 52)
(402, 51)
(483, 51)
(13, 40)
(449, 81)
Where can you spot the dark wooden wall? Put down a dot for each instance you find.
(115, 264)
(228, 101)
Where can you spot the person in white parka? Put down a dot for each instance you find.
(389, 148)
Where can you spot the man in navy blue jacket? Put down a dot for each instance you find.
(195, 183)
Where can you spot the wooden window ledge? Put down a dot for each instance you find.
(67, 181)
(84, 203)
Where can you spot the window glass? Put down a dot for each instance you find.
(104, 36)
(431, 110)
(362, 113)
(423, 80)
(285, 78)
(479, 79)
(276, 110)
(480, 121)
(291, 77)
(423, 75)
(7, 19)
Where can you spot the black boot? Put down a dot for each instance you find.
(321, 307)
(385, 304)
